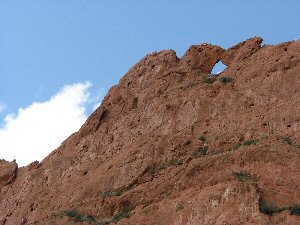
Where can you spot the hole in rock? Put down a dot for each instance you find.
(85, 173)
(218, 68)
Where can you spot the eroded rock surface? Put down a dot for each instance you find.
(172, 145)
(7, 172)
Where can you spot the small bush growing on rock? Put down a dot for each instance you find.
(173, 162)
(241, 176)
(295, 209)
(226, 79)
(202, 138)
(76, 215)
(235, 147)
(112, 193)
(209, 80)
(71, 213)
(288, 140)
(250, 142)
(91, 219)
(201, 151)
(121, 215)
(269, 208)
(79, 218)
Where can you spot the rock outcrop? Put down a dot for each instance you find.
(7, 172)
(171, 144)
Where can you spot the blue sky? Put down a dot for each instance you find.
(46, 45)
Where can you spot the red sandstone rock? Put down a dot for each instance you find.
(202, 57)
(7, 172)
(173, 149)
(241, 51)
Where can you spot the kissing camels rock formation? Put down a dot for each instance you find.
(171, 144)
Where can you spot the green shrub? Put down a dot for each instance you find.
(173, 162)
(76, 215)
(91, 219)
(201, 151)
(79, 218)
(124, 213)
(176, 162)
(250, 142)
(209, 80)
(112, 193)
(202, 138)
(235, 147)
(241, 176)
(121, 215)
(288, 140)
(295, 209)
(268, 208)
(226, 79)
(71, 213)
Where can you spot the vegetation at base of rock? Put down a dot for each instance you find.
(201, 151)
(226, 79)
(288, 140)
(209, 80)
(242, 176)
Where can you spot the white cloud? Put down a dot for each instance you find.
(40, 128)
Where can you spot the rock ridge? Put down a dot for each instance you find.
(173, 144)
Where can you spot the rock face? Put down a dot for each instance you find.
(172, 145)
(7, 172)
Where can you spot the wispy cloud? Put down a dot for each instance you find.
(97, 99)
(2, 107)
(40, 128)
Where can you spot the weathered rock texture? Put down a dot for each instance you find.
(170, 146)
(7, 172)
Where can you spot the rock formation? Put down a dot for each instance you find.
(7, 172)
(171, 144)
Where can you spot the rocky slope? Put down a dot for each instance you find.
(173, 145)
